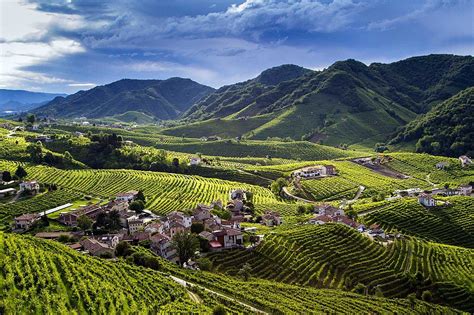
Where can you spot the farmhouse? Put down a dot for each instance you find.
(30, 186)
(70, 218)
(465, 160)
(7, 192)
(135, 224)
(96, 248)
(442, 165)
(320, 219)
(25, 221)
(271, 218)
(228, 238)
(328, 170)
(161, 245)
(327, 209)
(426, 200)
(238, 194)
(465, 190)
(128, 196)
(194, 161)
(315, 171)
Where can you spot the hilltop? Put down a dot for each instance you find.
(349, 102)
(447, 129)
(163, 99)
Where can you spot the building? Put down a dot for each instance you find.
(70, 218)
(308, 172)
(135, 224)
(442, 165)
(426, 200)
(465, 190)
(26, 221)
(128, 196)
(320, 219)
(30, 186)
(328, 170)
(465, 160)
(201, 213)
(7, 192)
(96, 248)
(161, 245)
(228, 238)
(327, 209)
(238, 194)
(194, 161)
(271, 218)
(110, 240)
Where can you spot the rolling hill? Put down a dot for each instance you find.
(349, 102)
(447, 129)
(20, 100)
(163, 99)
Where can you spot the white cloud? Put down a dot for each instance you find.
(82, 85)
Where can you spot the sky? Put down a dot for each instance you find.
(70, 45)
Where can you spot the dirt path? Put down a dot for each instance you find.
(194, 297)
(186, 284)
(286, 192)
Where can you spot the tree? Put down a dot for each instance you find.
(137, 206)
(30, 119)
(141, 196)
(20, 172)
(360, 288)
(186, 245)
(175, 162)
(205, 264)
(84, 223)
(254, 239)
(219, 310)
(278, 185)
(6, 176)
(245, 271)
(44, 220)
(352, 214)
(427, 296)
(301, 209)
(36, 152)
(197, 227)
(412, 300)
(123, 249)
(114, 220)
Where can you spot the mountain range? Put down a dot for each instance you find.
(163, 99)
(21, 100)
(349, 102)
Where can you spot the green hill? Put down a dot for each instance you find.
(348, 102)
(447, 129)
(338, 257)
(163, 99)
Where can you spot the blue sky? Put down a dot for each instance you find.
(68, 45)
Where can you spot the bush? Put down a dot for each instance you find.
(219, 310)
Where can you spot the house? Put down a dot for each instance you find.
(117, 205)
(347, 221)
(161, 245)
(320, 219)
(110, 240)
(201, 213)
(328, 170)
(228, 238)
(308, 172)
(7, 192)
(327, 209)
(465, 160)
(154, 227)
(26, 221)
(442, 165)
(271, 218)
(426, 200)
(235, 206)
(238, 194)
(207, 235)
(30, 186)
(465, 190)
(175, 227)
(194, 161)
(70, 218)
(128, 196)
(135, 224)
(178, 217)
(78, 134)
(96, 248)
(42, 138)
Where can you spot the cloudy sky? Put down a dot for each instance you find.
(69, 45)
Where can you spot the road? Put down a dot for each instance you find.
(185, 283)
(286, 192)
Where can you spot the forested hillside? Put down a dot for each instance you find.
(447, 129)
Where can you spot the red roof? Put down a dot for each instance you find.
(215, 244)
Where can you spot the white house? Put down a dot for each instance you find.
(30, 186)
(194, 161)
(465, 160)
(465, 190)
(427, 200)
(135, 224)
(127, 196)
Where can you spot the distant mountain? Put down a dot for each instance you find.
(21, 100)
(349, 102)
(163, 99)
(447, 129)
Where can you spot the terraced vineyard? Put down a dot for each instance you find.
(38, 203)
(165, 192)
(453, 224)
(335, 256)
(46, 277)
(330, 188)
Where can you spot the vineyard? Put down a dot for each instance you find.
(38, 203)
(165, 192)
(453, 224)
(334, 256)
(330, 188)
